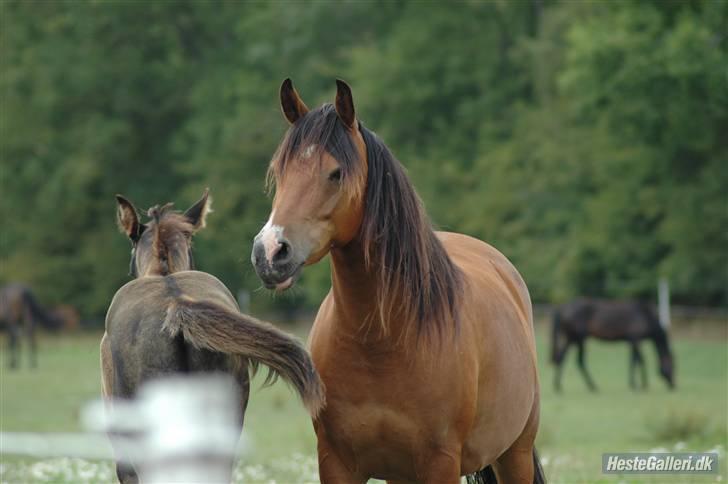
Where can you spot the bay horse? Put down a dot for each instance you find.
(425, 341)
(172, 319)
(22, 314)
(629, 321)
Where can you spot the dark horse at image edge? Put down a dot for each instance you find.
(628, 321)
(22, 314)
(172, 319)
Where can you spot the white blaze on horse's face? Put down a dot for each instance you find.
(270, 236)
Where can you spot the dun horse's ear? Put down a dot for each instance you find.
(128, 220)
(291, 103)
(197, 213)
(345, 104)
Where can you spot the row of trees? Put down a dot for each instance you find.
(586, 140)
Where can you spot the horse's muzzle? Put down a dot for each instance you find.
(277, 269)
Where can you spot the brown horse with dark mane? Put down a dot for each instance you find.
(425, 342)
(629, 321)
(172, 319)
(21, 313)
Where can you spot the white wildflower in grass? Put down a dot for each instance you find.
(296, 469)
(679, 446)
(58, 470)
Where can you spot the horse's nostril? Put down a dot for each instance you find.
(283, 254)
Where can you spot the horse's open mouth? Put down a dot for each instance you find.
(286, 283)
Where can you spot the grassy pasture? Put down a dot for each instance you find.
(577, 426)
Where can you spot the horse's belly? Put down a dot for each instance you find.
(503, 412)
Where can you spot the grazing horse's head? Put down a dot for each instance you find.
(320, 176)
(163, 245)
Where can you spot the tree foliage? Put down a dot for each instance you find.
(586, 140)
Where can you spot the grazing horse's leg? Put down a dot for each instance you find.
(32, 345)
(13, 337)
(559, 362)
(641, 362)
(632, 366)
(582, 366)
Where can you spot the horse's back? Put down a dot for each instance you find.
(140, 348)
(611, 320)
(492, 276)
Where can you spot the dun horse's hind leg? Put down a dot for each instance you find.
(582, 366)
(126, 474)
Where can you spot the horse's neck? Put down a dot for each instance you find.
(355, 292)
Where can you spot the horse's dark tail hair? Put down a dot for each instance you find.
(213, 327)
(555, 330)
(487, 475)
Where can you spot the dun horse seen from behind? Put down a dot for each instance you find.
(172, 319)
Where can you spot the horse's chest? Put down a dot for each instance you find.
(380, 441)
(384, 422)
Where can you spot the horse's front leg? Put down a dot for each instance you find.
(582, 366)
(442, 467)
(332, 467)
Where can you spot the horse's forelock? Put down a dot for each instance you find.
(319, 131)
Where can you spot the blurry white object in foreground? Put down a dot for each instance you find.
(179, 429)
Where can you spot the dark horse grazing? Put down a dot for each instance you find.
(173, 319)
(425, 342)
(20, 313)
(628, 321)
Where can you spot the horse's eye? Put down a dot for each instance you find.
(335, 175)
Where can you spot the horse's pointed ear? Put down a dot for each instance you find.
(293, 107)
(197, 213)
(128, 220)
(345, 104)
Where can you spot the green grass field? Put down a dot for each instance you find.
(577, 426)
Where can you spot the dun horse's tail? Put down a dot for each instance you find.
(487, 475)
(212, 327)
(555, 330)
